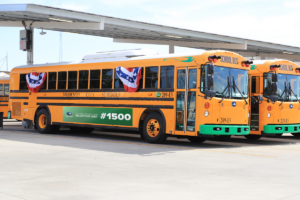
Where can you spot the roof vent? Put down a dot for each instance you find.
(119, 55)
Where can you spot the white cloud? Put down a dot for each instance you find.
(292, 4)
(77, 7)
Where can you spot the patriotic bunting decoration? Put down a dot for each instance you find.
(35, 81)
(130, 78)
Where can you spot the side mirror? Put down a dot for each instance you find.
(210, 69)
(260, 97)
(274, 87)
(274, 98)
(210, 81)
(210, 93)
(274, 78)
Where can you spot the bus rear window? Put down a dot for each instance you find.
(95, 79)
(52, 81)
(72, 80)
(6, 89)
(107, 75)
(23, 85)
(83, 79)
(62, 80)
(151, 77)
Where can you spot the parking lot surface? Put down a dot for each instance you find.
(105, 165)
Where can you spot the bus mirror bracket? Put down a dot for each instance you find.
(274, 87)
(210, 93)
(273, 98)
(274, 78)
(210, 69)
(210, 81)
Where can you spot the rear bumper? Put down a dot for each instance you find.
(279, 129)
(224, 129)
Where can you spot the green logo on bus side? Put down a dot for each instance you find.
(110, 116)
(188, 59)
(253, 67)
(158, 94)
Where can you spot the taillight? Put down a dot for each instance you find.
(214, 58)
(274, 67)
(269, 108)
(206, 105)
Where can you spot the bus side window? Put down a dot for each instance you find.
(62, 80)
(167, 77)
(107, 76)
(118, 82)
(151, 77)
(72, 80)
(23, 85)
(192, 78)
(44, 86)
(95, 79)
(255, 85)
(6, 89)
(52, 80)
(1, 90)
(83, 79)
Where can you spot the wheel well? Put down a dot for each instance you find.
(146, 112)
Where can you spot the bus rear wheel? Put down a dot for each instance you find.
(153, 128)
(222, 137)
(197, 139)
(81, 129)
(253, 137)
(43, 122)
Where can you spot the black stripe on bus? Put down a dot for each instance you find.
(18, 97)
(3, 104)
(96, 126)
(109, 98)
(25, 103)
(3, 101)
(106, 105)
(99, 90)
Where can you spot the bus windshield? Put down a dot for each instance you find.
(288, 87)
(224, 77)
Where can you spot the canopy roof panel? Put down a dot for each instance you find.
(124, 30)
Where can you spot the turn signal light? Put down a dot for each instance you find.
(249, 107)
(297, 70)
(269, 108)
(246, 63)
(206, 105)
(214, 58)
(274, 67)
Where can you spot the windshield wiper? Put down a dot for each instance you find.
(291, 91)
(226, 90)
(284, 92)
(234, 85)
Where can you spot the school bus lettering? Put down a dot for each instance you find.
(286, 67)
(71, 94)
(230, 60)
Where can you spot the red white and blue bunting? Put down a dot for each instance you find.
(130, 77)
(35, 81)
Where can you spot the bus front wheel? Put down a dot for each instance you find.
(253, 137)
(43, 122)
(153, 128)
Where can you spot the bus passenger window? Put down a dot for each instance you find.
(62, 80)
(23, 85)
(118, 82)
(83, 79)
(95, 79)
(44, 86)
(255, 85)
(72, 80)
(1, 90)
(6, 89)
(151, 77)
(52, 81)
(192, 78)
(107, 75)
(167, 77)
(181, 79)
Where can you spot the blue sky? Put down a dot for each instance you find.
(275, 21)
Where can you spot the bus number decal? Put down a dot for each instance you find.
(284, 120)
(230, 60)
(225, 120)
(110, 116)
(167, 94)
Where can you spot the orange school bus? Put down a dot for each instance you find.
(4, 93)
(183, 95)
(275, 107)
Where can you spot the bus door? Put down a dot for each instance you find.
(254, 87)
(186, 100)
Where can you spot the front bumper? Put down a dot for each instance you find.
(215, 129)
(279, 129)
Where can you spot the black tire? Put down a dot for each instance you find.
(156, 129)
(81, 129)
(296, 134)
(253, 137)
(222, 137)
(197, 139)
(44, 126)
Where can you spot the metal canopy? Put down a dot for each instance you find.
(129, 31)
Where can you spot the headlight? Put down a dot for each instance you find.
(206, 113)
(269, 115)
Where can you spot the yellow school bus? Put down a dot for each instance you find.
(4, 93)
(275, 95)
(181, 95)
